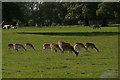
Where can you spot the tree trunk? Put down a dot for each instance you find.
(104, 23)
(86, 23)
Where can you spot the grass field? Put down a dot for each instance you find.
(48, 64)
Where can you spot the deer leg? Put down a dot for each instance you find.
(69, 52)
(96, 49)
(16, 49)
(92, 47)
(87, 49)
(32, 47)
(8, 47)
(55, 50)
(43, 47)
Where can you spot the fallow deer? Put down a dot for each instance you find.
(51, 46)
(11, 46)
(7, 26)
(29, 45)
(55, 47)
(91, 45)
(16, 46)
(62, 43)
(96, 26)
(70, 49)
(67, 47)
(79, 46)
(46, 46)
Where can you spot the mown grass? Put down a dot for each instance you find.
(48, 64)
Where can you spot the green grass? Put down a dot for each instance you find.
(48, 64)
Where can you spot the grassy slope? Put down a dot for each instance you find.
(47, 64)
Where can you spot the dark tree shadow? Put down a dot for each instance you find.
(72, 33)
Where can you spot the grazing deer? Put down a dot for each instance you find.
(11, 46)
(66, 47)
(79, 46)
(46, 46)
(51, 46)
(7, 26)
(55, 47)
(91, 45)
(29, 45)
(16, 46)
(96, 26)
(70, 49)
(62, 43)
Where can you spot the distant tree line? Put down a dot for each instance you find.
(59, 13)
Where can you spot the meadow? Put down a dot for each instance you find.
(48, 64)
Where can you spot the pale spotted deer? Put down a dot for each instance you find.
(79, 46)
(51, 46)
(29, 45)
(91, 45)
(16, 46)
(7, 26)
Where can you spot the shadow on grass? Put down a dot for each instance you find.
(72, 33)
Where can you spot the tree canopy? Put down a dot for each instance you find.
(56, 13)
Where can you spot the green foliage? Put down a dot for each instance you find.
(89, 10)
(11, 12)
(59, 13)
(74, 11)
(108, 9)
(104, 10)
(81, 22)
(31, 22)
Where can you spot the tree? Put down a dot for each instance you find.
(11, 12)
(49, 13)
(89, 12)
(74, 12)
(108, 10)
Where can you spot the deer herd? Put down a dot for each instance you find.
(61, 46)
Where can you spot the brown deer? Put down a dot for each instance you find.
(29, 45)
(46, 46)
(96, 26)
(11, 46)
(66, 47)
(70, 49)
(16, 46)
(62, 43)
(91, 45)
(79, 46)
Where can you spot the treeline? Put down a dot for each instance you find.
(56, 13)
